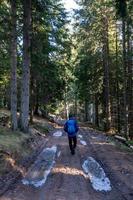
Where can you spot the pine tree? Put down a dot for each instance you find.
(13, 67)
(26, 66)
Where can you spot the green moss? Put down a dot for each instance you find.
(11, 140)
(130, 142)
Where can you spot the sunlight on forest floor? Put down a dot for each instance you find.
(68, 171)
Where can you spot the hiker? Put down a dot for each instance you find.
(71, 127)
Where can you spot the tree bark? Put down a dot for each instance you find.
(130, 82)
(36, 101)
(76, 106)
(118, 108)
(66, 106)
(14, 122)
(86, 110)
(26, 66)
(96, 111)
(106, 85)
(32, 98)
(117, 85)
(126, 131)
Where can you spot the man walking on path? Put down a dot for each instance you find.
(71, 127)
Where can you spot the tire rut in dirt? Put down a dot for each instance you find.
(93, 151)
(66, 180)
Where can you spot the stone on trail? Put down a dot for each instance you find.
(39, 171)
(57, 134)
(96, 174)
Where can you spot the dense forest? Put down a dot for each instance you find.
(47, 68)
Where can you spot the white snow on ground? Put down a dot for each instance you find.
(57, 134)
(53, 148)
(59, 153)
(80, 136)
(40, 182)
(131, 146)
(83, 142)
(96, 174)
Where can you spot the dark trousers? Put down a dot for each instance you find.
(72, 142)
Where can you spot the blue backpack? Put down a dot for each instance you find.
(71, 127)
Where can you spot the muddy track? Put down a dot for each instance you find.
(125, 192)
(67, 180)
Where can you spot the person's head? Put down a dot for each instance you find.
(71, 116)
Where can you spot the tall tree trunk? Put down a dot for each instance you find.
(118, 107)
(36, 99)
(32, 98)
(32, 81)
(130, 82)
(26, 66)
(13, 67)
(76, 105)
(86, 110)
(106, 75)
(66, 106)
(117, 84)
(96, 111)
(125, 79)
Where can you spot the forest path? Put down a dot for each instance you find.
(67, 180)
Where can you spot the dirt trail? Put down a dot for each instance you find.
(67, 180)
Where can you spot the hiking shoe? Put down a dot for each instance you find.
(73, 152)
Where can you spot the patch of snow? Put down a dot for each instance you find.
(59, 153)
(101, 185)
(120, 138)
(45, 159)
(46, 173)
(80, 136)
(53, 148)
(41, 182)
(40, 112)
(96, 174)
(93, 137)
(25, 182)
(83, 142)
(131, 146)
(57, 134)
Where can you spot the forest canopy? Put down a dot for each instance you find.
(88, 70)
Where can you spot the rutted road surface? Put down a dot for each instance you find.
(98, 171)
